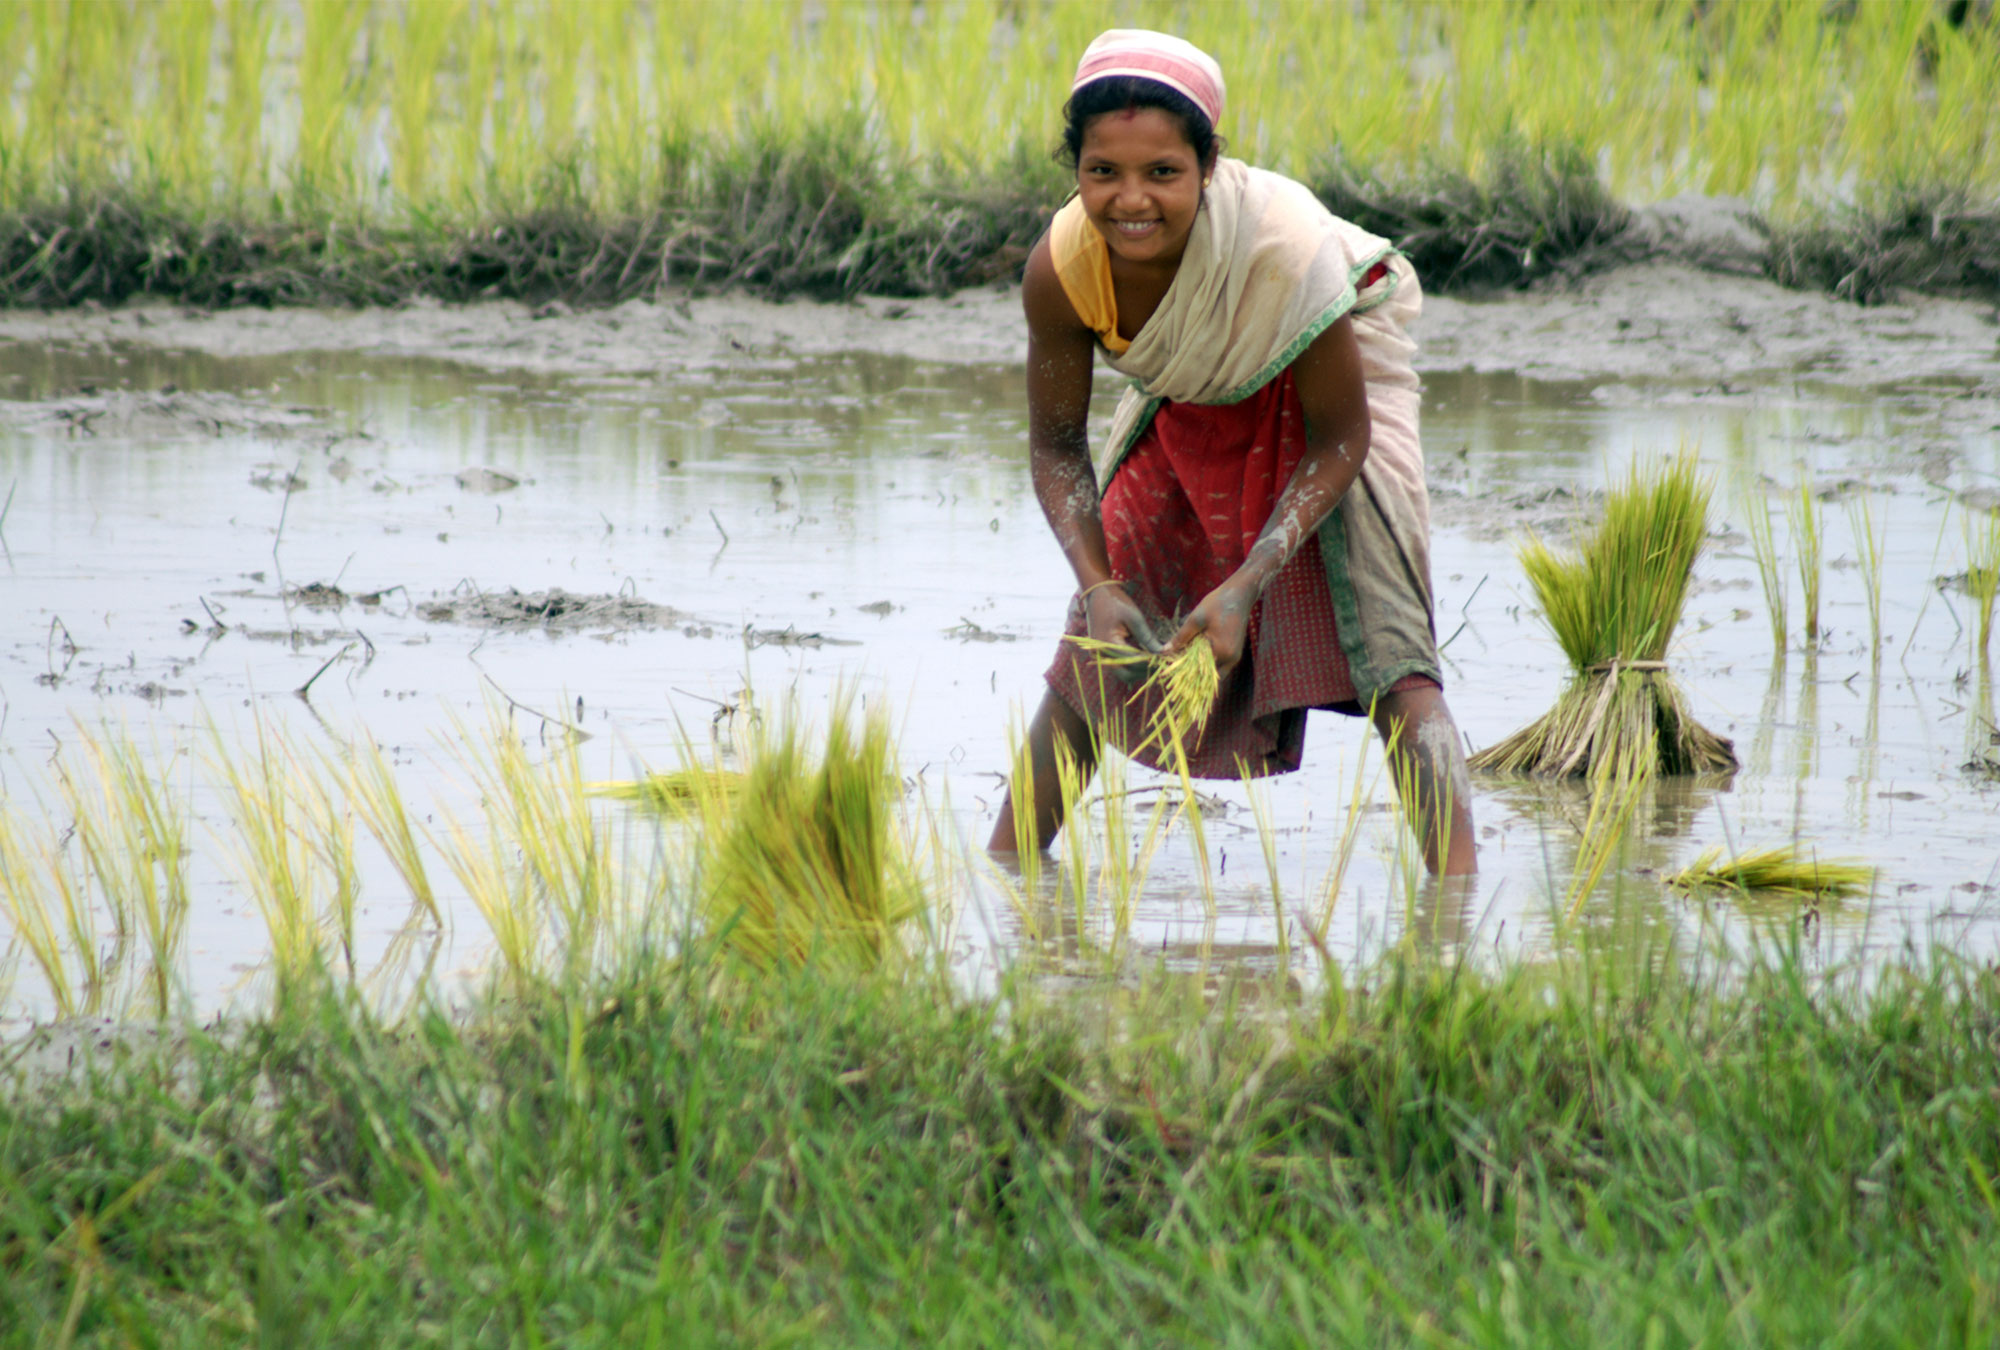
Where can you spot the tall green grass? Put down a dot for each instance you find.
(908, 145)
(1600, 1152)
(1777, 100)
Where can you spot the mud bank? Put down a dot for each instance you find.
(1641, 324)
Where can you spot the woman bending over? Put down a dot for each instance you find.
(1262, 485)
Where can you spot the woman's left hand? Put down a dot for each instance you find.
(1223, 616)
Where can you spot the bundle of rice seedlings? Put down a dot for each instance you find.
(1613, 607)
(802, 862)
(1777, 870)
(1185, 686)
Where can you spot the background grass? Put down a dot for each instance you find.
(258, 152)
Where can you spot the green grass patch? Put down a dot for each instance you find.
(1595, 1154)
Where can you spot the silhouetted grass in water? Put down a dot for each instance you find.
(1598, 1154)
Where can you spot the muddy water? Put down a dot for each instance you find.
(193, 538)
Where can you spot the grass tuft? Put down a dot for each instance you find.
(1590, 1151)
(1533, 214)
(1938, 240)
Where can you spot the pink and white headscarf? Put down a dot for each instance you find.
(1174, 62)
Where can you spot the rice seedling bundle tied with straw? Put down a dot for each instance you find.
(1613, 607)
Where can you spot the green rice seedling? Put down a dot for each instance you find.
(1126, 864)
(1778, 870)
(807, 866)
(248, 25)
(1785, 103)
(1185, 686)
(331, 93)
(133, 836)
(1267, 841)
(1869, 538)
(1350, 830)
(1803, 511)
(543, 814)
(1078, 835)
(618, 118)
(1021, 797)
(418, 46)
(1982, 571)
(60, 939)
(330, 821)
(1613, 607)
(183, 33)
(275, 857)
(478, 55)
(1770, 573)
(373, 792)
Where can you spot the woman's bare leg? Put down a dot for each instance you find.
(1054, 720)
(1428, 760)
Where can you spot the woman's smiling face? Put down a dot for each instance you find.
(1140, 183)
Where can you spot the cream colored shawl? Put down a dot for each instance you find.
(1267, 270)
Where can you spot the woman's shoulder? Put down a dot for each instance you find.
(1287, 215)
(1045, 302)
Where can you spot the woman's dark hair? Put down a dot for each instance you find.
(1125, 93)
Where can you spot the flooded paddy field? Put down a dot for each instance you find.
(649, 523)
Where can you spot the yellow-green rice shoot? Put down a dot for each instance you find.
(1802, 509)
(1764, 545)
(1982, 570)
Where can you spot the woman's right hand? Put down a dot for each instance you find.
(1112, 615)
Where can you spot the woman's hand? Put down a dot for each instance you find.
(1223, 617)
(1112, 615)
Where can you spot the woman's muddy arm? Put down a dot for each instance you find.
(1334, 397)
(1060, 354)
(1061, 351)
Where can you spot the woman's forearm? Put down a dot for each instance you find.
(1321, 479)
(1066, 487)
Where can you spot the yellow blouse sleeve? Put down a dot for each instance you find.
(1083, 265)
